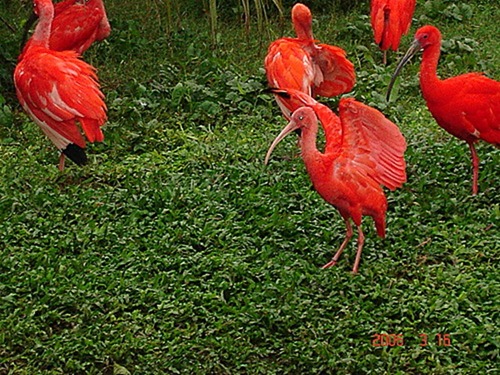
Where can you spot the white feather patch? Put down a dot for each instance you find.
(57, 100)
(59, 141)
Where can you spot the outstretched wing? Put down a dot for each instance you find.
(288, 66)
(57, 90)
(362, 136)
(373, 143)
(336, 73)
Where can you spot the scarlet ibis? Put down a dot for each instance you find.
(300, 64)
(58, 90)
(466, 106)
(390, 20)
(363, 151)
(77, 24)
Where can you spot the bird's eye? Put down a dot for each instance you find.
(425, 36)
(301, 118)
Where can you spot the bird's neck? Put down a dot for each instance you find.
(42, 31)
(303, 32)
(310, 153)
(429, 81)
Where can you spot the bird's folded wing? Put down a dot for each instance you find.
(377, 15)
(288, 66)
(406, 10)
(60, 90)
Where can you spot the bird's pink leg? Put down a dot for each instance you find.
(384, 59)
(342, 247)
(361, 241)
(61, 162)
(475, 168)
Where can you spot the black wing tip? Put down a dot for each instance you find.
(76, 154)
(280, 92)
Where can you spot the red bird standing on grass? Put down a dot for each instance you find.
(466, 106)
(77, 24)
(300, 64)
(390, 19)
(58, 90)
(363, 151)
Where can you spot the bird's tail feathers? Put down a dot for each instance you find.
(76, 154)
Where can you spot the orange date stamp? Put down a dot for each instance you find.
(397, 339)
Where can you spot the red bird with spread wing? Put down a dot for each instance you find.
(363, 151)
(77, 24)
(390, 19)
(466, 106)
(301, 64)
(58, 90)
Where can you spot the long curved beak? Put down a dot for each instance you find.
(292, 125)
(414, 48)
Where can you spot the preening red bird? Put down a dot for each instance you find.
(58, 91)
(301, 64)
(466, 106)
(363, 151)
(77, 24)
(390, 19)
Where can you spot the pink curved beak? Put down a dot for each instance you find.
(292, 125)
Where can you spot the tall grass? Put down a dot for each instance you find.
(256, 10)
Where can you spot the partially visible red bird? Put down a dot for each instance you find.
(77, 24)
(58, 91)
(390, 20)
(301, 64)
(466, 106)
(363, 151)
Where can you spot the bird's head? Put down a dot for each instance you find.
(302, 21)
(425, 37)
(43, 8)
(302, 118)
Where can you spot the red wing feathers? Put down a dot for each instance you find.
(337, 72)
(469, 105)
(288, 66)
(390, 19)
(58, 90)
(364, 136)
(367, 131)
(77, 26)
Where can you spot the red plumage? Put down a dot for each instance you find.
(364, 151)
(390, 20)
(77, 24)
(301, 64)
(58, 90)
(467, 106)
